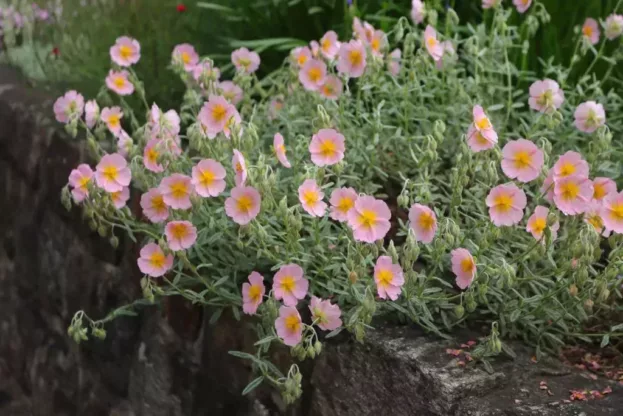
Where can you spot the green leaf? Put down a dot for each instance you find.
(605, 340)
(315, 10)
(266, 340)
(334, 333)
(252, 385)
(215, 316)
(216, 7)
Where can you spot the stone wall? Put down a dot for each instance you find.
(169, 361)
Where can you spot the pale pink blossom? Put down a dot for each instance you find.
(204, 72)
(243, 205)
(537, 223)
(120, 198)
(590, 30)
(165, 126)
(489, 4)
(310, 196)
(363, 31)
(185, 55)
(463, 266)
(332, 87)
(352, 59)
(240, 168)
(423, 222)
(126, 51)
(602, 187)
(369, 219)
(208, 178)
(233, 121)
(215, 114)
(112, 173)
(342, 201)
(506, 203)
(68, 107)
(522, 160)
(289, 326)
(546, 96)
(572, 194)
(153, 206)
(589, 116)
(181, 235)
(388, 277)
(301, 55)
(378, 43)
(280, 150)
(232, 92)
(329, 45)
(417, 11)
(124, 143)
(312, 75)
(613, 26)
(253, 293)
(245, 60)
(119, 82)
(315, 48)
(593, 216)
(522, 5)
(289, 284)
(91, 113)
(548, 186)
(481, 135)
(433, 46)
(79, 179)
(612, 212)
(393, 62)
(176, 190)
(325, 314)
(327, 147)
(151, 154)
(112, 118)
(448, 50)
(274, 107)
(153, 262)
(570, 164)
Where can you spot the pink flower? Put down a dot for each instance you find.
(590, 30)
(165, 126)
(448, 50)
(506, 203)
(181, 235)
(124, 144)
(326, 315)
(120, 198)
(572, 194)
(522, 5)
(233, 120)
(315, 48)
(369, 219)
(589, 116)
(423, 222)
(463, 266)
(274, 107)
(522, 160)
(240, 168)
(243, 205)
(215, 114)
(548, 186)
(112, 117)
(327, 147)
(205, 72)
(79, 178)
(329, 45)
(68, 107)
(312, 75)
(546, 96)
(393, 62)
(310, 196)
(603, 187)
(593, 216)
(126, 51)
(231, 91)
(208, 178)
(280, 150)
(289, 326)
(332, 87)
(176, 190)
(289, 284)
(433, 46)
(363, 31)
(118, 82)
(245, 60)
(570, 164)
(112, 173)
(186, 56)
(151, 154)
(613, 26)
(489, 4)
(342, 201)
(612, 212)
(417, 11)
(253, 293)
(352, 59)
(378, 43)
(301, 55)
(91, 113)
(388, 278)
(481, 135)
(537, 223)
(153, 206)
(153, 262)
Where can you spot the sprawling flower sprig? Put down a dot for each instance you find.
(425, 176)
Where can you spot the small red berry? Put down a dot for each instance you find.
(56, 51)
(181, 8)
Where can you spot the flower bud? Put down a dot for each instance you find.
(114, 241)
(452, 17)
(403, 199)
(459, 311)
(324, 117)
(311, 352)
(391, 250)
(588, 305)
(66, 198)
(573, 290)
(360, 333)
(352, 277)
(439, 129)
(318, 347)
(99, 333)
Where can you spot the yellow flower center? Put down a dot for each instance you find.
(567, 169)
(327, 148)
(207, 178)
(255, 293)
(522, 160)
(293, 323)
(280, 149)
(367, 218)
(426, 221)
(179, 231)
(376, 44)
(82, 182)
(152, 155)
(483, 123)
(539, 225)
(325, 45)
(569, 191)
(345, 205)
(599, 191)
(355, 57)
(110, 172)
(288, 283)
(115, 196)
(114, 120)
(385, 277)
(320, 316)
(595, 221)
(587, 30)
(238, 167)
(431, 42)
(244, 62)
(157, 203)
(119, 82)
(244, 203)
(219, 112)
(467, 265)
(328, 89)
(179, 190)
(503, 202)
(315, 74)
(302, 58)
(617, 211)
(125, 51)
(546, 99)
(480, 139)
(157, 260)
(185, 58)
(310, 197)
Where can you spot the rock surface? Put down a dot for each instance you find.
(170, 361)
